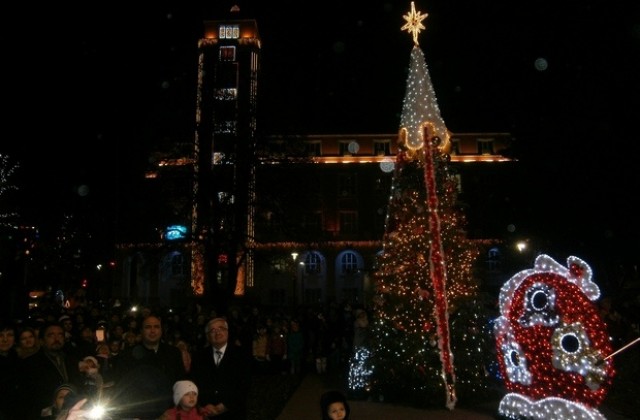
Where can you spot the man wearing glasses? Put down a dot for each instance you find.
(222, 373)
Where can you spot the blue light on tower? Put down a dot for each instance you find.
(175, 232)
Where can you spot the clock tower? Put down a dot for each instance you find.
(224, 150)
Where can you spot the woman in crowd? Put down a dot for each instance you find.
(28, 342)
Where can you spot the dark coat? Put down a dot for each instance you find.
(9, 366)
(145, 380)
(227, 383)
(39, 379)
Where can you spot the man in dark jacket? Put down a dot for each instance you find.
(147, 372)
(46, 370)
(222, 373)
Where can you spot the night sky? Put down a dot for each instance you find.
(92, 88)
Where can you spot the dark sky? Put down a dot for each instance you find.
(92, 88)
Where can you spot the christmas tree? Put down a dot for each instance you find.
(425, 314)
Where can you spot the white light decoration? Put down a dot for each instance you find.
(421, 105)
(359, 374)
(7, 170)
(515, 406)
(514, 358)
(540, 306)
(552, 343)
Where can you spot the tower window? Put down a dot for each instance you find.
(177, 264)
(226, 94)
(229, 32)
(228, 53)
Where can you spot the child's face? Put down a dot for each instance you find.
(336, 411)
(189, 400)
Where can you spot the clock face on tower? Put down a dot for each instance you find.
(229, 32)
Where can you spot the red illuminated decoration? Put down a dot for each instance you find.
(437, 265)
(552, 344)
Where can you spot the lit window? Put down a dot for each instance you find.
(455, 146)
(349, 263)
(344, 148)
(382, 148)
(225, 127)
(312, 263)
(227, 53)
(493, 259)
(226, 94)
(225, 197)
(485, 146)
(229, 32)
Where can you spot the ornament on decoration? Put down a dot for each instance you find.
(552, 344)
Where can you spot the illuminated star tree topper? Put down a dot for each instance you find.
(414, 22)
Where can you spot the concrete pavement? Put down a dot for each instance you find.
(305, 405)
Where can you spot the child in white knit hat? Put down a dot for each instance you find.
(185, 398)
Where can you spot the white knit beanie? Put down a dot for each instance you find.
(93, 359)
(182, 387)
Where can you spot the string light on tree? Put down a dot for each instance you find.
(424, 272)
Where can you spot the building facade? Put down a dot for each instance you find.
(276, 220)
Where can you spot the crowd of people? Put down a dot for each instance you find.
(156, 363)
